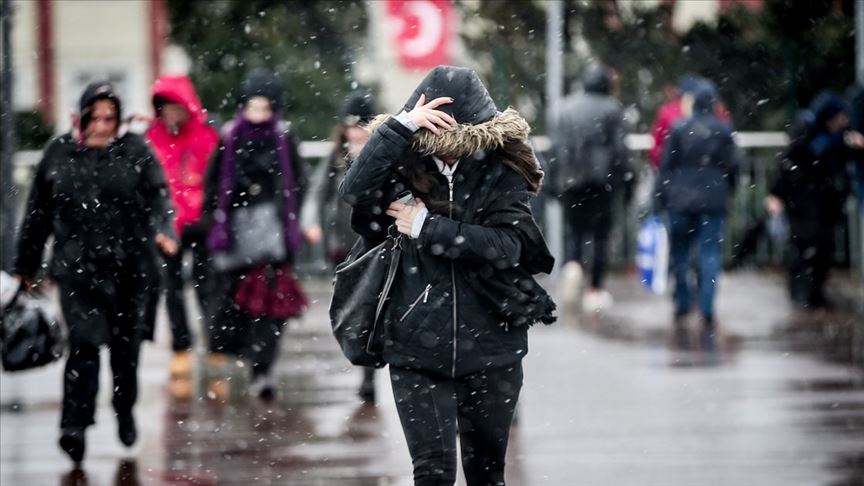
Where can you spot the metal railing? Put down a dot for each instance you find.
(759, 162)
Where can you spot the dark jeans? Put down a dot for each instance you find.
(479, 407)
(588, 220)
(81, 377)
(810, 262)
(706, 231)
(175, 303)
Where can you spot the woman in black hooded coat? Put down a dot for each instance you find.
(455, 326)
(102, 195)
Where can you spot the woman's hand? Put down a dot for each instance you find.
(426, 116)
(773, 205)
(166, 245)
(313, 234)
(404, 215)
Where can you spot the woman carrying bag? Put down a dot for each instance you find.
(103, 196)
(252, 200)
(454, 327)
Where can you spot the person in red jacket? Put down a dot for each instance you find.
(183, 142)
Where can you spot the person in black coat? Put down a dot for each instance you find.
(457, 319)
(811, 189)
(257, 165)
(103, 196)
(697, 175)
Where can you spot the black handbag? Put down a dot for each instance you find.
(361, 288)
(30, 336)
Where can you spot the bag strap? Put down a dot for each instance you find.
(395, 254)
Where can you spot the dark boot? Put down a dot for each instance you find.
(367, 387)
(680, 333)
(126, 429)
(73, 444)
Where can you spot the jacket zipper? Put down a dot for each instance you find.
(453, 283)
(424, 296)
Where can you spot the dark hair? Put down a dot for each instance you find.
(516, 154)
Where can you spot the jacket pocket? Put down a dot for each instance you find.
(423, 297)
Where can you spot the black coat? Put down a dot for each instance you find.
(104, 208)
(464, 294)
(700, 166)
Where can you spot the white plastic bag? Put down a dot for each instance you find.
(652, 254)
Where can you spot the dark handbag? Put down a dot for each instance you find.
(257, 238)
(361, 288)
(30, 336)
(271, 292)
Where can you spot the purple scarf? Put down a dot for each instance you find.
(220, 238)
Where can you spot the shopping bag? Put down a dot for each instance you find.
(652, 254)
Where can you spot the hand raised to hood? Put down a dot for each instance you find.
(424, 115)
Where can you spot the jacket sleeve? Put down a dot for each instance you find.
(624, 175)
(364, 181)
(316, 196)
(38, 223)
(301, 182)
(732, 160)
(155, 193)
(498, 241)
(211, 187)
(671, 159)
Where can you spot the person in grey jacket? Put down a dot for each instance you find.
(590, 164)
(325, 216)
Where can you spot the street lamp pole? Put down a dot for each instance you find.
(7, 132)
(554, 91)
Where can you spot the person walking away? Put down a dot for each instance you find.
(256, 173)
(102, 195)
(323, 206)
(811, 189)
(592, 165)
(699, 170)
(183, 142)
(456, 322)
(674, 111)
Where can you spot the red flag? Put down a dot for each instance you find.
(422, 30)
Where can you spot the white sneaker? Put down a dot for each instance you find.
(597, 301)
(570, 284)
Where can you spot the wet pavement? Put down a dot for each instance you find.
(605, 402)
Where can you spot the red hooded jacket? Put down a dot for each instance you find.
(184, 155)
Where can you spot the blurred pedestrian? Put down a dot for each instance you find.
(811, 189)
(183, 142)
(458, 314)
(254, 191)
(324, 208)
(592, 165)
(674, 111)
(699, 171)
(102, 194)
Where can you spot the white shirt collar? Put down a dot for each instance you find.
(446, 170)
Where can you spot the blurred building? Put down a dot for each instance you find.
(58, 46)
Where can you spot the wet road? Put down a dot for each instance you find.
(605, 402)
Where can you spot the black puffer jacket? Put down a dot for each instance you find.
(464, 294)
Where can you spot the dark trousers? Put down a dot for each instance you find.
(81, 377)
(255, 340)
(175, 302)
(587, 223)
(706, 231)
(810, 261)
(478, 407)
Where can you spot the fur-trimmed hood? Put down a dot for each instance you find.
(466, 139)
